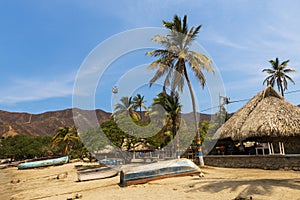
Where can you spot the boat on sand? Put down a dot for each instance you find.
(155, 171)
(94, 174)
(44, 163)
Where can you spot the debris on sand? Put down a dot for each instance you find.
(62, 175)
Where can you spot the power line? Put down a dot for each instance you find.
(226, 103)
(242, 100)
(238, 101)
(209, 108)
(294, 91)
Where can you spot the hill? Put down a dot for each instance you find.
(13, 123)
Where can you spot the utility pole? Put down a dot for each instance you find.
(115, 91)
(223, 100)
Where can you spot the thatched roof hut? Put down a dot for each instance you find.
(266, 115)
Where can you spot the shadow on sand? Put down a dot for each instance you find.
(250, 187)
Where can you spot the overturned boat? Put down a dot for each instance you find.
(44, 163)
(156, 171)
(94, 174)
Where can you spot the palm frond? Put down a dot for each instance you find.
(202, 60)
(290, 79)
(269, 71)
(159, 73)
(289, 70)
(267, 79)
(284, 63)
(184, 25)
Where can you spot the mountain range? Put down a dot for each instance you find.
(46, 124)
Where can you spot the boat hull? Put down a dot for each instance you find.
(156, 171)
(44, 163)
(95, 174)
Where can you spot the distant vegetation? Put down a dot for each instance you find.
(22, 147)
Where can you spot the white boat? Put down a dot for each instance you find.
(94, 174)
(158, 170)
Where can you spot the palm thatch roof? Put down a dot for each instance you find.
(266, 115)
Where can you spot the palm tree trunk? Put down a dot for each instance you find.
(174, 132)
(199, 145)
(65, 152)
(282, 93)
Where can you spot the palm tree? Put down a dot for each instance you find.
(173, 60)
(278, 74)
(66, 136)
(126, 106)
(172, 107)
(139, 102)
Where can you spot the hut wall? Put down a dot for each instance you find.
(286, 162)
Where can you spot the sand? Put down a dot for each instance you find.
(218, 183)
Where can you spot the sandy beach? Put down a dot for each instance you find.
(218, 183)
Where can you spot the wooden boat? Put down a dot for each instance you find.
(94, 174)
(43, 163)
(159, 170)
(3, 166)
(87, 167)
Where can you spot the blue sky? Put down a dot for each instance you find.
(44, 43)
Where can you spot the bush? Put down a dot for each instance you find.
(23, 147)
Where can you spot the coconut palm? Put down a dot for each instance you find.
(172, 107)
(174, 58)
(139, 103)
(66, 136)
(126, 106)
(278, 74)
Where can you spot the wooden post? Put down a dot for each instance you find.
(280, 150)
(270, 152)
(272, 148)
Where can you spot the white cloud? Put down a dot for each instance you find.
(33, 89)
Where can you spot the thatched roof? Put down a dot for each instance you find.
(266, 115)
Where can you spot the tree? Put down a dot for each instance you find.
(126, 107)
(172, 107)
(66, 136)
(278, 74)
(173, 60)
(23, 147)
(139, 103)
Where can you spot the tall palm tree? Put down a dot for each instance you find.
(173, 60)
(66, 136)
(278, 74)
(139, 103)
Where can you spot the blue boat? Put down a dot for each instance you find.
(156, 171)
(44, 163)
(111, 162)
